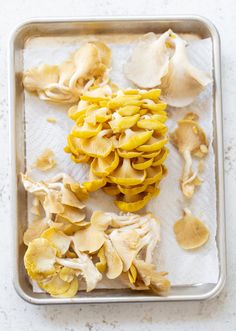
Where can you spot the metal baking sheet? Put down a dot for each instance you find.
(87, 26)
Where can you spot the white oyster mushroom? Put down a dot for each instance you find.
(183, 82)
(149, 61)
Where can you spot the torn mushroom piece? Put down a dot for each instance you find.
(45, 161)
(190, 139)
(190, 232)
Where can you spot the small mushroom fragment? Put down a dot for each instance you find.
(190, 140)
(45, 161)
(190, 232)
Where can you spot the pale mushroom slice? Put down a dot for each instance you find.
(190, 140)
(72, 214)
(58, 240)
(190, 232)
(92, 238)
(127, 245)
(40, 78)
(149, 61)
(70, 199)
(114, 262)
(151, 277)
(45, 161)
(183, 82)
(89, 239)
(35, 229)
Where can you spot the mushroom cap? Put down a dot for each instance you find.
(149, 61)
(135, 202)
(39, 78)
(126, 175)
(104, 166)
(127, 245)
(58, 240)
(89, 239)
(54, 286)
(114, 262)
(188, 136)
(97, 146)
(190, 232)
(72, 214)
(35, 229)
(40, 258)
(153, 144)
(129, 139)
(183, 82)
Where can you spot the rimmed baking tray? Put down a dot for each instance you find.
(85, 26)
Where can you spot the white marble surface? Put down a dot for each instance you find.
(218, 314)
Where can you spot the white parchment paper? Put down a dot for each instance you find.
(200, 266)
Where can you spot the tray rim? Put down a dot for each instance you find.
(220, 162)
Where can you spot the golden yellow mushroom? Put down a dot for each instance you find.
(140, 163)
(128, 154)
(128, 110)
(129, 140)
(86, 130)
(160, 158)
(102, 167)
(133, 203)
(153, 144)
(126, 175)
(190, 232)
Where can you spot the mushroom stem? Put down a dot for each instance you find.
(188, 164)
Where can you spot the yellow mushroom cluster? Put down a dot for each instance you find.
(63, 247)
(122, 135)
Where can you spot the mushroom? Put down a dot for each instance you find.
(104, 166)
(45, 161)
(149, 61)
(182, 82)
(134, 202)
(190, 232)
(58, 240)
(129, 139)
(152, 278)
(120, 123)
(114, 262)
(126, 175)
(66, 82)
(190, 140)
